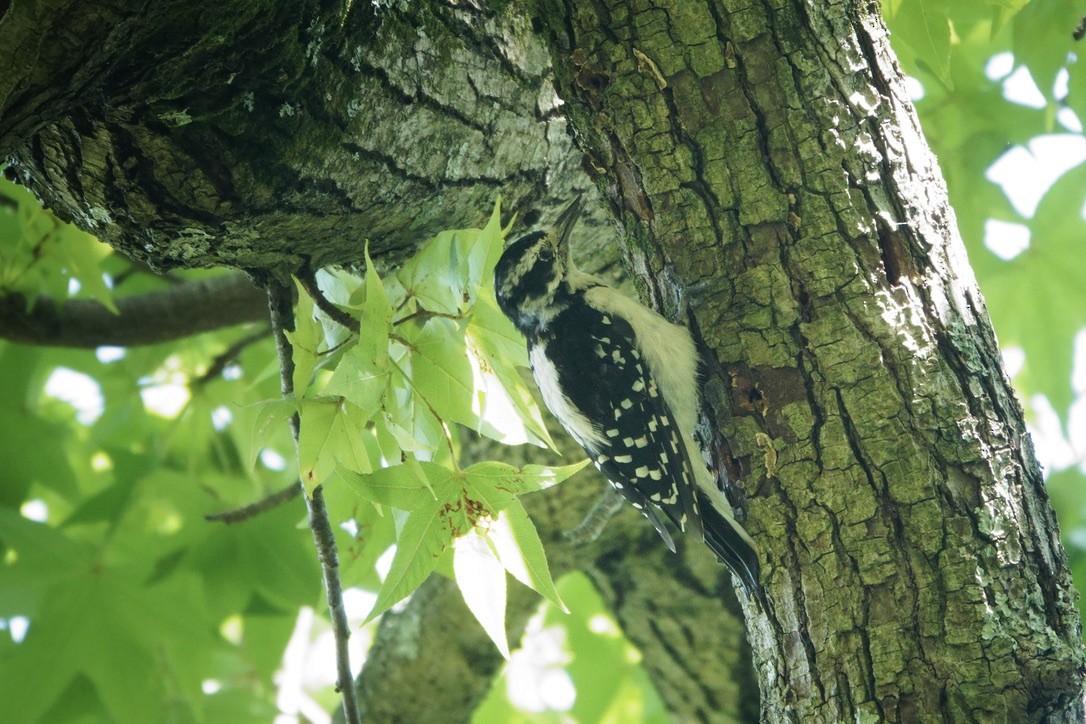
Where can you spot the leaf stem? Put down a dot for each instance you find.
(309, 283)
(426, 313)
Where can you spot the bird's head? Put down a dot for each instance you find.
(529, 278)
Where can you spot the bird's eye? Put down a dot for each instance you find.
(546, 254)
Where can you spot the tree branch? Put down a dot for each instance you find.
(309, 283)
(160, 316)
(245, 512)
(230, 354)
(282, 321)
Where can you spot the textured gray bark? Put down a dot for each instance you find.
(773, 189)
(263, 134)
(774, 185)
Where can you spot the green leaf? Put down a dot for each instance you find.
(521, 552)
(521, 480)
(484, 248)
(360, 451)
(81, 256)
(499, 349)
(495, 334)
(39, 557)
(362, 375)
(1003, 11)
(122, 636)
(341, 288)
(361, 380)
(257, 421)
(434, 275)
(331, 434)
(422, 542)
(407, 487)
(32, 447)
(408, 425)
(441, 372)
(481, 580)
(485, 490)
(1038, 300)
(924, 28)
(1042, 38)
(402, 440)
(319, 441)
(305, 341)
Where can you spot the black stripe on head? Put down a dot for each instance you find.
(522, 274)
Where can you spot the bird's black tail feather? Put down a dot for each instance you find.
(732, 546)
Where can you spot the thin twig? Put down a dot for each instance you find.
(325, 540)
(282, 321)
(229, 355)
(427, 314)
(245, 512)
(609, 503)
(309, 284)
(1080, 31)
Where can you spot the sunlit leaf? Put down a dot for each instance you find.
(484, 249)
(434, 277)
(522, 480)
(407, 487)
(441, 372)
(424, 539)
(481, 579)
(362, 376)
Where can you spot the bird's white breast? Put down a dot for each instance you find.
(576, 423)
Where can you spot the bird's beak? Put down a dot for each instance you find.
(566, 221)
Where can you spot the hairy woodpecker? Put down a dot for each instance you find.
(623, 381)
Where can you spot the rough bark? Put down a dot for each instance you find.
(773, 184)
(774, 190)
(264, 134)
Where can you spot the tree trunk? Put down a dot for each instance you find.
(773, 184)
(774, 190)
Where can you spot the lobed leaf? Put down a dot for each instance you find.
(520, 551)
(480, 577)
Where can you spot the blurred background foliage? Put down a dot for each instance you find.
(119, 601)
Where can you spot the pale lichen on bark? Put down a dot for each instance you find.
(261, 136)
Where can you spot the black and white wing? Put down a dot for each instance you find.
(594, 380)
